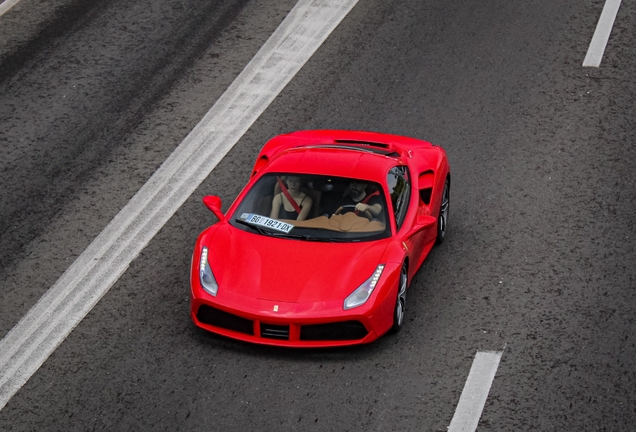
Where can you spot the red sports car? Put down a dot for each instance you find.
(320, 246)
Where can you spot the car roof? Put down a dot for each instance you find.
(338, 161)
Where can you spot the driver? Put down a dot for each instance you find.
(357, 200)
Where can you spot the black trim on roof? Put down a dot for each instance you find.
(381, 149)
(366, 143)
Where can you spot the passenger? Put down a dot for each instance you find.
(356, 199)
(283, 208)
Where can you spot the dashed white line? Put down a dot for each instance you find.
(66, 303)
(601, 34)
(6, 5)
(473, 398)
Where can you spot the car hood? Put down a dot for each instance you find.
(289, 270)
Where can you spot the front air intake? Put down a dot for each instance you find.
(345, 330)
(219, 318)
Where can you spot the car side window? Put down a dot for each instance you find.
(399, 184)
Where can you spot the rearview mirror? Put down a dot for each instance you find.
(214, 204)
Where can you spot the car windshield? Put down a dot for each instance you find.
(314, 208)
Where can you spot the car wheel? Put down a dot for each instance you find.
(442, 220)
(400, 301)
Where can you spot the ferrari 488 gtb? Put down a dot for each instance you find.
(320, 246)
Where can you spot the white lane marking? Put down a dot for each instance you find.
(66, 303)
(6, 5)
(601, 34)
(473, 398)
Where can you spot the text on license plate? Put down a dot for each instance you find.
(267, 222)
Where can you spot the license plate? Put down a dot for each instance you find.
(266, 222)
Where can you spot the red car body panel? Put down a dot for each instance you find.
(301, 285)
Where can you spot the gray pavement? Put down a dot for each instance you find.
(540, 254)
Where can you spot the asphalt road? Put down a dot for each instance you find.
(539, 261)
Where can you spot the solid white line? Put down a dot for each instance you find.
(6, 5)
(601, 35)
(473, 398)
(66, 303)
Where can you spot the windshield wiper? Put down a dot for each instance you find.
(254, 227)
(263, 231)
(334, 240)
(280, 234)
(293, 236)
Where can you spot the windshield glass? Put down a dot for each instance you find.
(314, 208)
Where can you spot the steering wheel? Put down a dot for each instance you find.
(366, 213)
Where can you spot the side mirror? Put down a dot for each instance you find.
(214, 204)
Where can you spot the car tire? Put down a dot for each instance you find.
(442, 219)
(400, 300)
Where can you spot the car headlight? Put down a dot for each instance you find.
(363, 292)
(205, 274)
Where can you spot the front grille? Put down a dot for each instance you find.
(272, 331)
(219, 318)
(345, 330)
